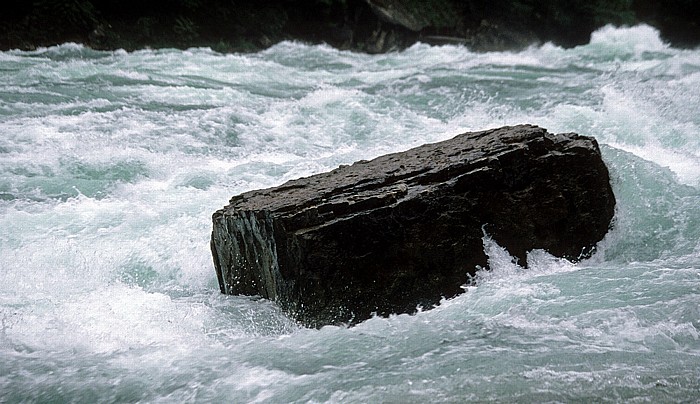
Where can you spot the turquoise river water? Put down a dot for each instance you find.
(111, 164)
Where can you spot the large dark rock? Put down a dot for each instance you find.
(406, 229)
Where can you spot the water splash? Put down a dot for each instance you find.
(111, 164)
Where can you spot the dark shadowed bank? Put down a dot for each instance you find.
(363, 25)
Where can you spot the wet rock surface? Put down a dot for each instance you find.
(406, 229)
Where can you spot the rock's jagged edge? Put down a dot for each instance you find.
(405, 229)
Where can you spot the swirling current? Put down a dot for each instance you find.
(111, 164)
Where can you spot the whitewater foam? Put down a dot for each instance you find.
(111, 164)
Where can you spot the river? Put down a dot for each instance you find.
(111, 164)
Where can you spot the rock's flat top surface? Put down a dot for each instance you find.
(385, 235)
(344, 189)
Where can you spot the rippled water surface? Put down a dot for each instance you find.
(111, 164)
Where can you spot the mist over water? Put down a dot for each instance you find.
(111, 164)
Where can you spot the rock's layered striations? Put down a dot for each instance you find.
(405, 229)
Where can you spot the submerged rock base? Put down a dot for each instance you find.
(405, 229)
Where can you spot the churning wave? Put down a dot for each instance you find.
(111, 164)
